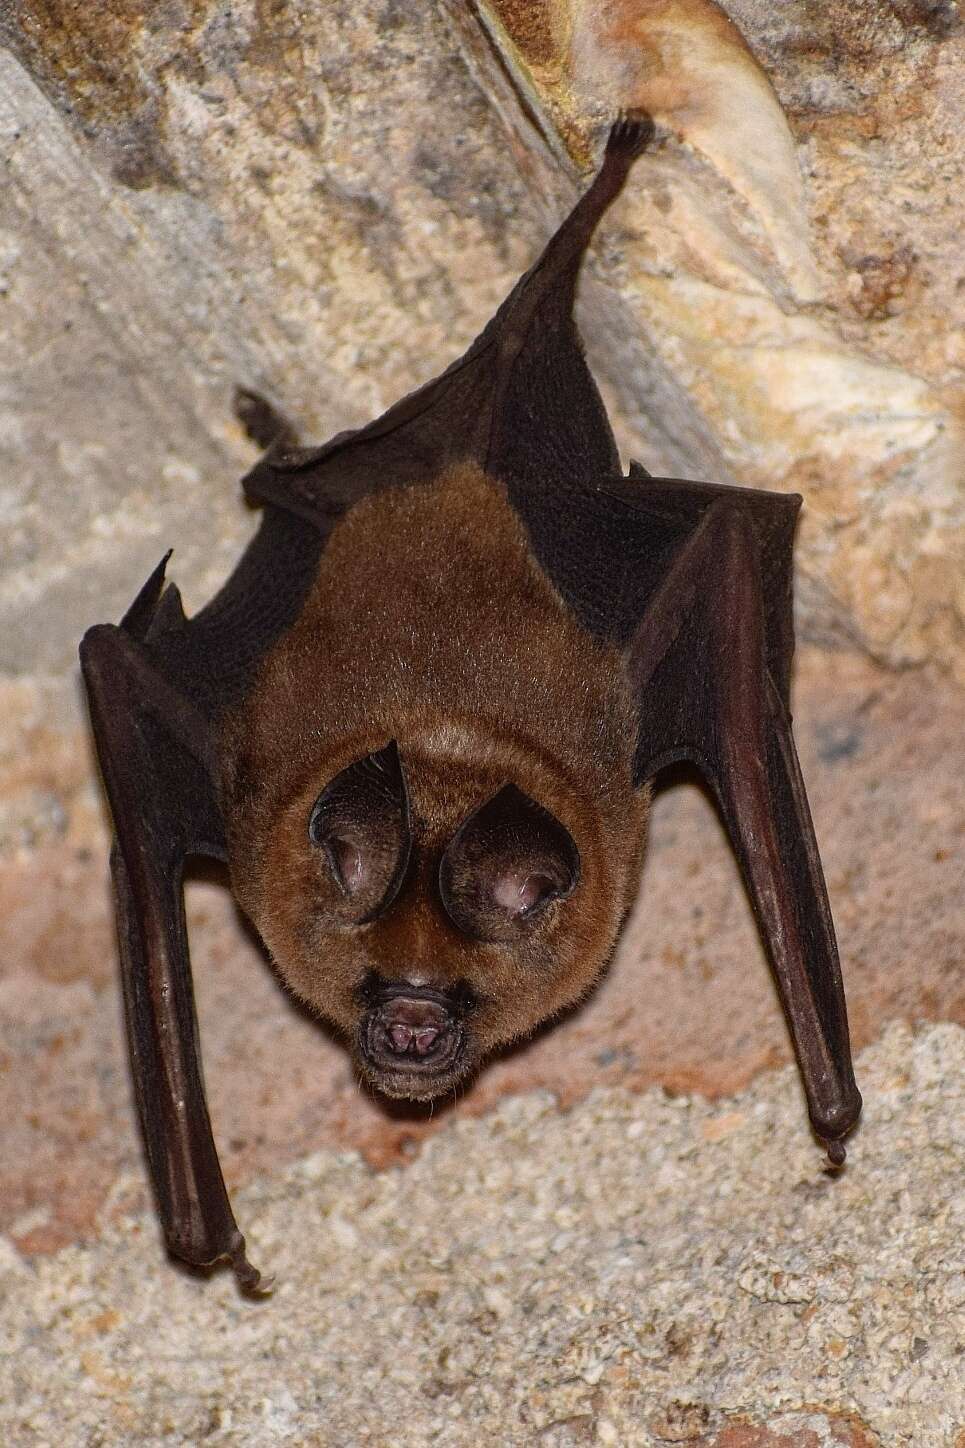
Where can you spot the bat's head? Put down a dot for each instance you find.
(435, 909)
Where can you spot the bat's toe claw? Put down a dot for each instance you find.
(261, 1287)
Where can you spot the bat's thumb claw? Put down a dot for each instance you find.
(836, 1152)
(249, 1278)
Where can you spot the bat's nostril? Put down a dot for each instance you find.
(425, 1040)
(420, 1040)
(410, 1035)
(401, 1037)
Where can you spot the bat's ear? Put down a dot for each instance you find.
(504, 865)
(360, 824)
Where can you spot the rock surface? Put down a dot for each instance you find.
(326, 203)
(321, 203)
(638, 1271)
(788, 264)
(208, 196)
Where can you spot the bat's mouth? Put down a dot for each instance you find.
(412, 1041)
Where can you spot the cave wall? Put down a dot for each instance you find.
(326, 203)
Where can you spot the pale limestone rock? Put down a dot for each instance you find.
(623, 1273)
(793, 258)
(238, 197)
(319, 202)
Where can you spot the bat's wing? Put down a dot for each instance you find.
(156, 755)
(521, 402)
(710, 659)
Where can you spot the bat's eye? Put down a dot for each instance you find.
(360, 822)
(504, 865)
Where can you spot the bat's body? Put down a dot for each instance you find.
(420, 720)
(426, 628)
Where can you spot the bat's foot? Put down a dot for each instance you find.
(631, 133)
(205, 1258)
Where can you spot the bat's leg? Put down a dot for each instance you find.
(699, 661)
(152, 745)
(553, 277)
(630, 135)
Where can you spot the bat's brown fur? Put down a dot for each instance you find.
(429, 622)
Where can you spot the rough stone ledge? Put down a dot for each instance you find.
(639, 1270)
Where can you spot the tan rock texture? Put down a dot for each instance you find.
(792, 258)
(638, 1271)
(197, 196)
(319, 201)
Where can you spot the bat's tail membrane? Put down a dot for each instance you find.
(548, 425)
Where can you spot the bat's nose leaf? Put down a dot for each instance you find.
(419, 1032)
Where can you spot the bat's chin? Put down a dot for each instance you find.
(414, 1044)
(423, 1085)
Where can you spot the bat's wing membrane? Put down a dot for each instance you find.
(710, 660)
(156, 759)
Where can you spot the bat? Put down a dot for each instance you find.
(421, 720)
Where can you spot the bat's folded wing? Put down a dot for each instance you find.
(710, 661)
(155, 757)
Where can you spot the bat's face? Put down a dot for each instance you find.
(434, 910)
